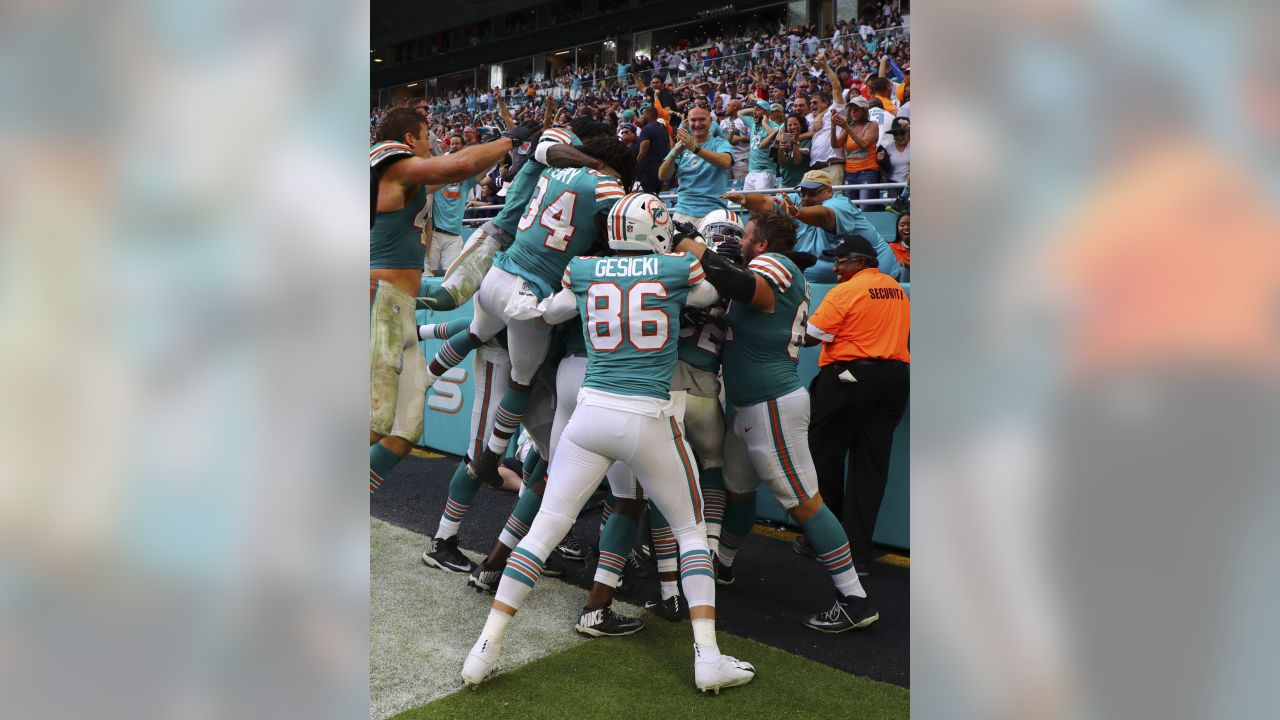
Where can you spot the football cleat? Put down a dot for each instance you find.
(673, 608)
(444, 554)
(484, 580)
(724, 573)
(725, 672)
(553, 568)
(635, 566)
(801, 546)
(570, 549)
(604, 622)
(481, 661)
(849, 613)
(485, 469)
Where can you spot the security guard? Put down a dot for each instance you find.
(861, 390)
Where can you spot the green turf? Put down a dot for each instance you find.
(649, 676)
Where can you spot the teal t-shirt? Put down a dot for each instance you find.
(849, 220)
(558, 224)
(450, 204)
(701, 183)
(520, 189)
(761, 349)
(630, 312)
(760, 159)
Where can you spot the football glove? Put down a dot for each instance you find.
(521, 133)
(730, 251)
(685, 230)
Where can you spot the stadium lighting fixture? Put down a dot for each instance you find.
(412, 85)
(563, 52)
(377, 59)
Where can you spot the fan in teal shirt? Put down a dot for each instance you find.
(449, 205)
(849, 221)
(760, 159)
(701, 183)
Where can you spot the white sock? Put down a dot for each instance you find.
(704, 638)
(670, 588)
(447, 528)
(496, 625)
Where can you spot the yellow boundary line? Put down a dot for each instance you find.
(902, 561)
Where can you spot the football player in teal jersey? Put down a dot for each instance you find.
(402, 171)
(630, 308)
(769, 441)
(696, 383)
(564, 219)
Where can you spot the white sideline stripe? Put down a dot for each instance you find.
(422, 623)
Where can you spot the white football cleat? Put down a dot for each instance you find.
(481, 661)
(712, 675)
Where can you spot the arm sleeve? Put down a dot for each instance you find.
(549, 138)
(774, 272)
(819, 333)
(608, 193)
(827, 318)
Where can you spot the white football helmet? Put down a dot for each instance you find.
(640, 222)
(721, 226)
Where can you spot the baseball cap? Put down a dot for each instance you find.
(899, 128)
(763, 105)
(852, 245)
(776, 107)
(860, 102)
(815, 179)
(628, 114)
(646, 107)
(626, 126)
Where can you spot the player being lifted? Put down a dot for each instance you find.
(769, 441)
(554, 147)
(557, 147)
(630, 307)
(564, 219)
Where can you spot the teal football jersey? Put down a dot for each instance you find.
(559, 223)
(701, 345)
(521, 187)
(630, 312)
(761, 349)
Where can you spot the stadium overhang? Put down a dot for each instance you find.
(594, 29)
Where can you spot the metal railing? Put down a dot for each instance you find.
(667, 197)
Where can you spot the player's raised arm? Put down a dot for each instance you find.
(459, 166)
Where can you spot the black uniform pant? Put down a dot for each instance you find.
(856, 420)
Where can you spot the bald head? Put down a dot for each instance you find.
(699, 123)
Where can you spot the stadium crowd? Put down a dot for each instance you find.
(746, 72)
